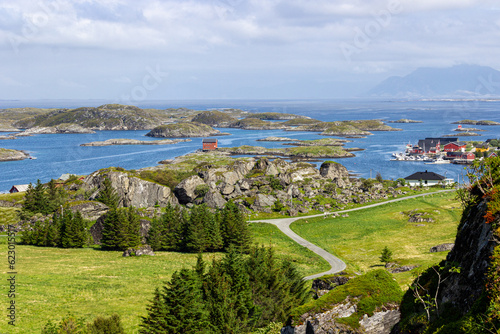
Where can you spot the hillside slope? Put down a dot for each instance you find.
(105, 117)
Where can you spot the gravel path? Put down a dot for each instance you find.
(336, 264)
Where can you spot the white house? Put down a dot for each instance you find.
(427, 179)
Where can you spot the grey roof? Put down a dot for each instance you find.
(210, 140)
(425, 176)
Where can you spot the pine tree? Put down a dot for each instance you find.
(234, 227)
(73, 231)
(108, 195)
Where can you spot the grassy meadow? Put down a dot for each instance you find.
(52, 282)
(359, 239)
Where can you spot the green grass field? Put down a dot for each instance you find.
(51, 282)
(359, 239)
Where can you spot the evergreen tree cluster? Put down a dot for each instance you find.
(121, 229)
(236, 294)
(42, 199)
(200, 229)
(66, 230)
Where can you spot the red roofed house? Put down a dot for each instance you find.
(455, 146)
(209, 144)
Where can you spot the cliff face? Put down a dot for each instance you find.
(460, 283)
(472, 251)
(132, 190)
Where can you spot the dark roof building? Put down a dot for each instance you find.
(429, 176)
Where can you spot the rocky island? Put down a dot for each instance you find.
(182, 130)
(404, 120)
(12, 155)
(122, 141)
(277, 139)
(472, 122)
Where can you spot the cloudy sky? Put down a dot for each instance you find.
(197, 49)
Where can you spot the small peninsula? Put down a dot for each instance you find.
(122, 141)
(12, 155)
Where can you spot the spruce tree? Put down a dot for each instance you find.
(196, 237)
(213, 233)
(179, 307)
(121, 229)
(154, 238)
(234, 227)
(108, 195)
(40, 199)
(110, 230)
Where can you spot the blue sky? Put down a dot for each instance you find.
(126, 51)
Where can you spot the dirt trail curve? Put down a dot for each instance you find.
(336, 264)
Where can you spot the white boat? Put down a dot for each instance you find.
(438, 161)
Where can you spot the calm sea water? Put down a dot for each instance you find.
(58, 154)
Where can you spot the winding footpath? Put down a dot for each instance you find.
(336, 264)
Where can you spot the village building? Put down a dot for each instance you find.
(209, 144)
(455, 147)
(427, 179)
(484, 147)
(18, 188)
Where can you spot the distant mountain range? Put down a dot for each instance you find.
(462, 81)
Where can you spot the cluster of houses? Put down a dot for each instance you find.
(449, 148)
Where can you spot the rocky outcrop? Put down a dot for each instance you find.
(185, 190)
(121, 141)
(335, 172)
(214, 199)
(182, 130)
(325, 315)
(132, 190)
(58, 129)
(472, 250)
(12, 155)
(90, 210)
(143, 250)
(442, 248)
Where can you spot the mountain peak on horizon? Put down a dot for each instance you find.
(457, 81)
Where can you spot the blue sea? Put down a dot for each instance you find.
(62, 153)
